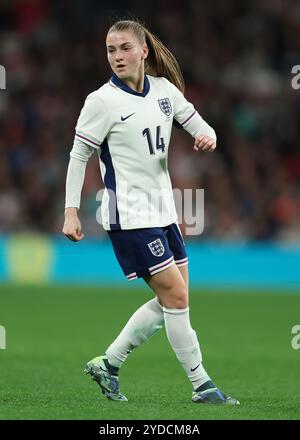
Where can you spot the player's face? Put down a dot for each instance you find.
(125, 54)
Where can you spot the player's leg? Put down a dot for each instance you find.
(142, 325)
(171, 287)
(145, 322)
(140, 253)
(184, 271)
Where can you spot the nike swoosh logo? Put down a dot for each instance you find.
(126, 117)
(193, 369)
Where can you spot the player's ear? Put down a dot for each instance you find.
(145, 51)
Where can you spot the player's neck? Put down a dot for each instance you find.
(137, 83)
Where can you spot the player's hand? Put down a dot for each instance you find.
(204, 143)
(72, 225)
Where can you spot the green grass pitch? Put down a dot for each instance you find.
(52, 331)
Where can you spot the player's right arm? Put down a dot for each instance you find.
(92, 126)
(79, 157)
(72, 225)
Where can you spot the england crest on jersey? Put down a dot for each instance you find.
(165, 106)
(156, 247)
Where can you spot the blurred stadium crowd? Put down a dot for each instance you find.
(236, 57)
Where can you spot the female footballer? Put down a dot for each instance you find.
(128, 121)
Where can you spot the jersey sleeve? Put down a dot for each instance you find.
(187, 117)
(79, 156)
(94, 122)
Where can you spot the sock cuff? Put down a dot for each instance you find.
(158, 303)
(176, 311)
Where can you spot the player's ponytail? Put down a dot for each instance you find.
(160, 61)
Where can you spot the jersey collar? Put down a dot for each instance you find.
(116, 80)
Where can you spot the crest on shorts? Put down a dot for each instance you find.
(165, 106)
(156, 247)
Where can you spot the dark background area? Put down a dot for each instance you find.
(236, 57)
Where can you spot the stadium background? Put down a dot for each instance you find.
(62, 303)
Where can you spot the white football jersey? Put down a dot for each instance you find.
(131, 132)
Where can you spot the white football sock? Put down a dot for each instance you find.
(143, 324)
(183, 340)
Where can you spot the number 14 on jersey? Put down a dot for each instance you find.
(159, 140)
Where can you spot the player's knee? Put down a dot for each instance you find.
(180, 303)
(177, 298)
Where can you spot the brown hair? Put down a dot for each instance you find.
(160, 61)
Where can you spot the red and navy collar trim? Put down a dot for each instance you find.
(119, 83)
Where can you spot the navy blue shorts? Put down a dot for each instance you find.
(148, 251)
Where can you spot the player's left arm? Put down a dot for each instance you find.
(187, 117)
(205, 143)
